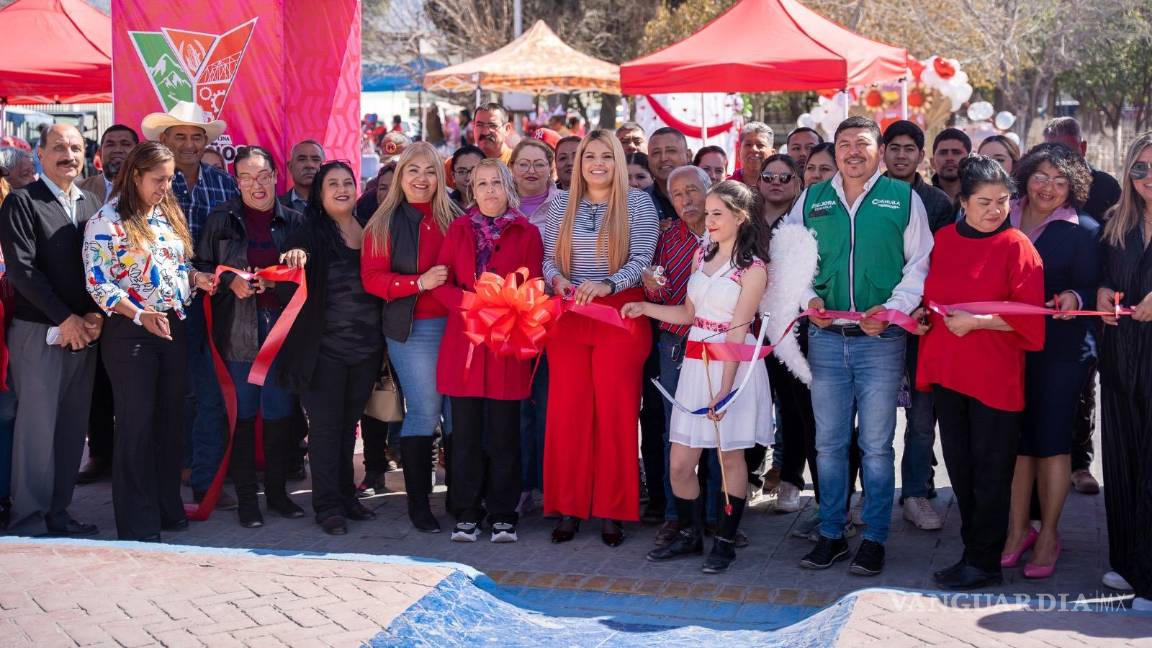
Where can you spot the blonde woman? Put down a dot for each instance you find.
(136, 252)
(1125, 381)
(401, 245)
(598, 238)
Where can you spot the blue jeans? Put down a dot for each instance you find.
(414, 361)
(7, 428)
(205, 419)
(270, 400)
(916, 473)
(533, 415)
(671, 348)
(861, 373)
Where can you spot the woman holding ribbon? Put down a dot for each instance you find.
(401, 246)
(484, 388)
(724, 295)
(136, 252)
(600, 236)
(1126, 378)
(333, 352)
(974, 364)
(251, 231)
(1055, 183)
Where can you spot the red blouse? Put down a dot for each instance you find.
(984, 364)
(376, 268)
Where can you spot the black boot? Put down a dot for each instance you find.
(243, 470)
(417, 452)
(724, 545)
(279, 447)
(690, 541)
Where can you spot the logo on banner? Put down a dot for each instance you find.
(193, 66)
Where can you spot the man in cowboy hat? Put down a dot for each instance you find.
(198, 188)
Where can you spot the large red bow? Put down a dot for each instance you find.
(509, 315)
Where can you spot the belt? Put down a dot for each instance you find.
(847, 330)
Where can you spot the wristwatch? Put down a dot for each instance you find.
(136, 318)
(611, 285)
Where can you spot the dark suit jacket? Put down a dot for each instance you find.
(42, 250)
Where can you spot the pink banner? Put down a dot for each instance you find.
(277, 71)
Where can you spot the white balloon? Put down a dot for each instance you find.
(980, 111)
(1013, 136)
(805, 121)
(1004, 120)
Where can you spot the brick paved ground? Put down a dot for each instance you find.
(765, 572)
(62, 595)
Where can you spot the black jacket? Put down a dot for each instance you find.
(296, 362)
(224, 241)
(43, 253)
(939, 207)
(404, 240)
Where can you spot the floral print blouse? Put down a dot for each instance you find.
(156, 276)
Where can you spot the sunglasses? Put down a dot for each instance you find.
(1139, 171)
(782, 178)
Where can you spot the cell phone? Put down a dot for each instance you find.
(53, 336)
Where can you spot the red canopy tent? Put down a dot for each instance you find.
(765, 46)
(55, 51)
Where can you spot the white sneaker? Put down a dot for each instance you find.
(919, 512)
(756, 495)
(856, 515)
(504, 532)
(787, 498)
(1115, 581)
(1141, 604)
(465, 532)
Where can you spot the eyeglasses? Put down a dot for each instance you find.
(246, 180)
(1043, 180)
(1139, 171)
(489, 125)
(461, 171)
(539, 165)
(782, 178)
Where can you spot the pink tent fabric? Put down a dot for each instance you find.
(765, 46)
(55, 51)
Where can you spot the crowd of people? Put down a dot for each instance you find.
(120, 288)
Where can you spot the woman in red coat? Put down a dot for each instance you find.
(484, 391)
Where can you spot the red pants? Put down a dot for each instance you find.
(595, 374)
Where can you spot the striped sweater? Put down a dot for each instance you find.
(586, 265)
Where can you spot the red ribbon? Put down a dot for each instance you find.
(509, 315)
(275, 340)
(689, 130)
(1017, 308)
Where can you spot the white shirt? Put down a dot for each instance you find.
(67, 199)
(907, 294)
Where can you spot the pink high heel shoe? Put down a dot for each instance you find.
(1012, 559)
(1032, 570)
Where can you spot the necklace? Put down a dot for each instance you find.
(595, 211)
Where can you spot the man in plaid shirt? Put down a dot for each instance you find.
(198, 188)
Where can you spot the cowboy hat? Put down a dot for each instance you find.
(184, 113)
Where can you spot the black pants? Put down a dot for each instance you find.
(335, 401)
(797, 423)
(374, 433)
(652, 432)
(1084, 425)
(100, 418)
(485, 459)
(148, 382)
(979, 445)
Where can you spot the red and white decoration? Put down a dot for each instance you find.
(722, 116)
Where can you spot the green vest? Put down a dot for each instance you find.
(861, 262)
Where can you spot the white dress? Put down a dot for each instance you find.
(747, 421)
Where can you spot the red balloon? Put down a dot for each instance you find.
(944, 69)
(874, 99)
(915, 99)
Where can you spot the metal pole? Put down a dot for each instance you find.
(846, 106)
(517, 18)
(703, 121)
(3, 116)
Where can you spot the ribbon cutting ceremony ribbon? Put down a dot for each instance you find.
(1017, 308)
(510, 315)
(258, 374)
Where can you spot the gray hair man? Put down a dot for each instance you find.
(757, 142)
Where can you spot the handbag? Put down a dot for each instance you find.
(385, 403)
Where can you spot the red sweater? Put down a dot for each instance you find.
(376, 268)
(986, 365)
(489, 376)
